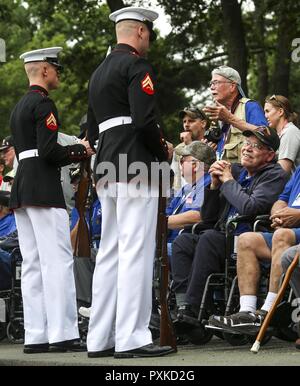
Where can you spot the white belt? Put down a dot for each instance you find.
(28, 154)
(117, 121)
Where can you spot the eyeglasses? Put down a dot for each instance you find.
(216, 83)
(253, 145)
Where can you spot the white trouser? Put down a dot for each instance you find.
(48, 286)
(122, 281)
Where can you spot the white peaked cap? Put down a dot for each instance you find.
(41, 55)
(133, 13)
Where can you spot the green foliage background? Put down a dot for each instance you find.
(183, 60)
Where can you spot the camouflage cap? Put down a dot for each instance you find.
(201, 151)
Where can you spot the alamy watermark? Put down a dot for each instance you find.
(2, 50)
(138, 180)
(296, 51)
(296, 312)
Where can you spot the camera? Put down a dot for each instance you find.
(213, 133)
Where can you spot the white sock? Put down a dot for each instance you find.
(248, 303)
(269, 301)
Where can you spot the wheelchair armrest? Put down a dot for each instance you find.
(232, 222)
(201, 226)
(187, 229)
(263, 217)
(262, 221)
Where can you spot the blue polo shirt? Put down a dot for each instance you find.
(190, 197)
(254, 115)
(245, 181)
(291, 192)
(93, 218)
(7, 224)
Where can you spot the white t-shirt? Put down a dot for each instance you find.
(290, 144)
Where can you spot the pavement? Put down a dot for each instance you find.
(215, 353)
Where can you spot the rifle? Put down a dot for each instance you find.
(82, 246)
(167, 334)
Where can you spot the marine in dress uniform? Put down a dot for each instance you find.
(48, 289)
(121, 116)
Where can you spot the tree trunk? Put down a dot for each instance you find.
(281, 76)
(262, 66)
(235, 38)
(114, 5)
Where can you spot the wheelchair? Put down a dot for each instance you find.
(12, 325)
(221, 295)
(282, 325)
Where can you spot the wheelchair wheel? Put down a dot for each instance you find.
(286, 333)
(219, 334)
(284, 327)
(3, 327)
(235, 339)
(15, 331)
(199, 335)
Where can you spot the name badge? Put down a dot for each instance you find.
(297, 201)
(189, 200)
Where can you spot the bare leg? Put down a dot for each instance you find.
(251, 247)
(282, 240)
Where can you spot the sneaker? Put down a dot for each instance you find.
(216, 323)
(85, 312)
(242, 322)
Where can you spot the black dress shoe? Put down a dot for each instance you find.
(68, 345)
(150, 350)
(36, 348)
(100, 354)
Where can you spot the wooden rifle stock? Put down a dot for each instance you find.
(82, 247)
(266, 322)
(167, 334)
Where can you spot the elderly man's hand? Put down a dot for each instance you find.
(286, 218)
(216, 172)
(226, 175)
(218, 112)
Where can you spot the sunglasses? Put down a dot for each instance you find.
(196, 111)
(274, 98)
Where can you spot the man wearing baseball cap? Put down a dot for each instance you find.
(255, 247)
(249, 188)
(184, 209)
(8, 153)
(234, 112)
(194, 122)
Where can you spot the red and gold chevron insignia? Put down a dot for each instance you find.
(51, 122)
(147, 85)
